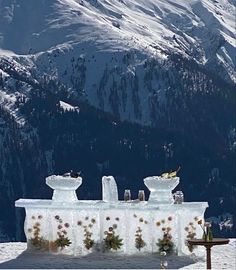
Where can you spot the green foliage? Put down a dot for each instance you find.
(62, 241)
(165, 244)
(112, 241)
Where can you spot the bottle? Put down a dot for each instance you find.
(127, 195)
(209, 235)
(141, 195)
(204, 236)
(178, 197)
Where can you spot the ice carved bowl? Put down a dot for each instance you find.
(64, 187)
(161, 188)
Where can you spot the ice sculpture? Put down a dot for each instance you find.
(66, 225)
(109, 189)
(64, 187)
(161, 188)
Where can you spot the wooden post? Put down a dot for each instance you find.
(208, 257)
(208, 245)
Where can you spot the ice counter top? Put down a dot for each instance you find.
(67, 225)
(99, 205)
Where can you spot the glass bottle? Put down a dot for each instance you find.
(141, 195)
(209, 235)
(127, 195)
(204, 236)
(178, 197)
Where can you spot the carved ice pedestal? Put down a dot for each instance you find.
(64, 187)
(161, 188)
(79, 227)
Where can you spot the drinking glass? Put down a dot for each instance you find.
(141, 195)
(127, 195)
(178, 197)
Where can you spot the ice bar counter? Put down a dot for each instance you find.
(67, 225)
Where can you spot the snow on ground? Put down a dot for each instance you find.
(14, 255)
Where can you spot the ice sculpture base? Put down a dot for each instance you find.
(64, 195)
(47, 219)
(161, 197)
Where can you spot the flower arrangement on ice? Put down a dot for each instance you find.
(88, 241)
(207, 232)
(36, 240)
(165, 244)
(62, 240)
(191, 233)
(112, 241)
(139, 242)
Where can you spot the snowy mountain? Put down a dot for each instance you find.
(110, 51)
(69, 68)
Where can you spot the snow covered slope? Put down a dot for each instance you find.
(99, 48)
(202, 29)
(12, 255)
